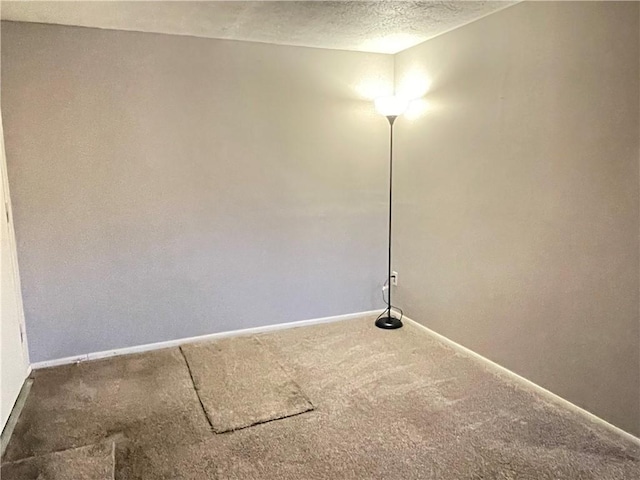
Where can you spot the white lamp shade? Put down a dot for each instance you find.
(391, 106)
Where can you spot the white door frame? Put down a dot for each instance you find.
(12, 248)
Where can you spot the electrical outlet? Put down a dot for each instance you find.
(394, 279)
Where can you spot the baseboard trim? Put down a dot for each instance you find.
(201, 338)
(527, 383)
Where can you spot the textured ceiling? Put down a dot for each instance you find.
(383, 26)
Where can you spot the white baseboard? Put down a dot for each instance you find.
(526, 383)
(201, 338)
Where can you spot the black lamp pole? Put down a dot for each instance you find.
(387, 320)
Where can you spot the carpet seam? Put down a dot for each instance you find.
(277, 360)
(261, 422)
(63, 450)
(195, 389)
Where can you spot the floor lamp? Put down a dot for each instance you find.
(390, 107)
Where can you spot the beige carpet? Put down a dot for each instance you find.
(388, 405)
(241, 384)
(93, 462)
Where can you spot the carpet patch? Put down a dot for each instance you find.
(240, 384)
(141, 396)
(93, 462)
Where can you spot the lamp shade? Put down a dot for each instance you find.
(391, 106)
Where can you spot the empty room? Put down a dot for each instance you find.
(296, 240)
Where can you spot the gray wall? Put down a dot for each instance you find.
(168, 186)
(517, 206)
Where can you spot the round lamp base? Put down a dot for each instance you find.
(388, 323)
